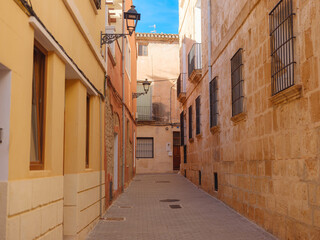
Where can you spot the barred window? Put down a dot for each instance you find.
(190, 122)
(181, 129)
(144, 148)
(237, 83)
(198, 120)
(282, 54)
(142, 50)
(213, 103)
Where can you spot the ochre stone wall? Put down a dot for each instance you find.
(267, 163)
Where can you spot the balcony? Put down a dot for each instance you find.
(181, 87)
(144, 113)
(195, 63)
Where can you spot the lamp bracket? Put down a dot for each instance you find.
(136, 95)
(108, 38)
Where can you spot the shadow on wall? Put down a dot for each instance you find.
(160, 112)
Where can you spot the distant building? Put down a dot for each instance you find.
(158, 132)
(250, 113)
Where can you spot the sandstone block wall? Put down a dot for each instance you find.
(268, 163)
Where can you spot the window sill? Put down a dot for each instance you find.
(214, 129)
(287, 95)
(94, 7)
(191, 139)
(239, 117)
(112, 57)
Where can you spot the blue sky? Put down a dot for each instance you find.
(163, 13)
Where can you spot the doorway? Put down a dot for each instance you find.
(176, 150)
(5, 93)
(115, 165)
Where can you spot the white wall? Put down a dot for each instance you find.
(5, 92)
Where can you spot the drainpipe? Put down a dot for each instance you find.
(209, 43)
(123, 102)
(100, 180)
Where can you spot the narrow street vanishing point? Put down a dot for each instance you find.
(169, 207)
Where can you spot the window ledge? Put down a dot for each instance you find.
(239, 117)
(191, 139)
(112, 57)
(199, 135)
(287, 95)
(214, 129)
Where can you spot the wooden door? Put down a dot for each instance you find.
(176, 150)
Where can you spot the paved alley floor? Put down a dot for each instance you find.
(145, 208)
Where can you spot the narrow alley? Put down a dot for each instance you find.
(169, 207)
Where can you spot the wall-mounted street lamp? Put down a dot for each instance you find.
(132, 17)
(146, 86)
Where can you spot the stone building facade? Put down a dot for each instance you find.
(117, 165)
(157, 111)
(250, 108)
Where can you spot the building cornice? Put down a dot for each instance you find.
(162, 37)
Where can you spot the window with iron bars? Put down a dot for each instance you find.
(282, 52)
(237, 83)
(213, 102)
(181, 129)
(190, 122)
(145, 148)
(198, 118)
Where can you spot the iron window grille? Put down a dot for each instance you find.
(185, 154)
(213, 102)
(190, 122)
(181, 129)
(237, 83)
(282, 51)
(198, 118)
(142, 50)
(145, 147)
(97, 3)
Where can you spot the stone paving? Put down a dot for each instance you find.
(147, 218)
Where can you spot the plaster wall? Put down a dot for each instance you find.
(162, 161)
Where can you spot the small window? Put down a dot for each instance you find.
(87, 131)
(38, 110)
(216, 186)
(198, 119)
(190, 122)
(237, 83)
(143, 50)
(145, 148)
(282, 54)
(213, 103)
(200, 178)
(185, 154)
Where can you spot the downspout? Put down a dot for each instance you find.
(209, 43)
(123, 102)
(100, 180)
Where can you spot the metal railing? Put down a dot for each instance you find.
(144, 113)
(194, 58)
(181, 84)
